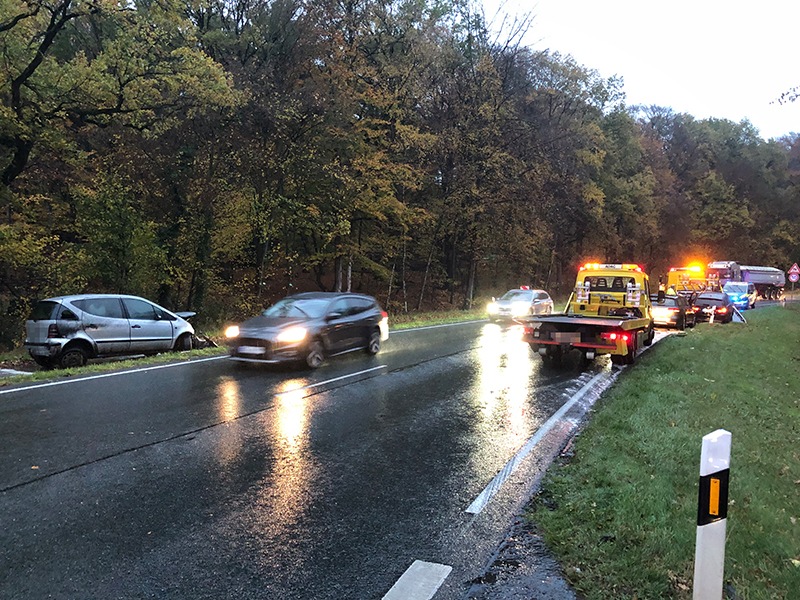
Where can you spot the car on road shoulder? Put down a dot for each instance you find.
(716, 304)
(309, 327)
(66, 331)
(743, 294)
(672, 310)
(519, 302)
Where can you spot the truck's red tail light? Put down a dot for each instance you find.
(52, 331)
(615, 336)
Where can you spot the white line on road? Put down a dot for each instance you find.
(420, 581)
(104, 375)
(494, 485)
(319, 383)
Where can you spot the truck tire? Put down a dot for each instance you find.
(553, 357)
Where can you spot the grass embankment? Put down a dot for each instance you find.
(620, 514)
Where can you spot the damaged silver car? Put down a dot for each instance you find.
(66, 331)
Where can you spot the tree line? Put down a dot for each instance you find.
(214, 155)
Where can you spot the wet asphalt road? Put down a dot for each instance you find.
(209, 480)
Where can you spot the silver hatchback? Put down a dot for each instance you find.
(66, 331)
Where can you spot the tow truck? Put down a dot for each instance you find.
(608, 312)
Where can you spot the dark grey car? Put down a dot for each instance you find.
(66, 331)
(310, 327)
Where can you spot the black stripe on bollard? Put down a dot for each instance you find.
(712, 500)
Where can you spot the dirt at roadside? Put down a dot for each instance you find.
(522, 569)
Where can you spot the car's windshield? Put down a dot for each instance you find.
(735, 288)
(306, 308)
(42, 310)
(517, 295)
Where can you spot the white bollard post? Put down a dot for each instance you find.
(712, 515)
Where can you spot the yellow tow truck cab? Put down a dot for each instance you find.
(608, 312)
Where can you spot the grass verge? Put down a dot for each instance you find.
(620, 514)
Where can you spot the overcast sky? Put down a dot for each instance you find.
(708, 58)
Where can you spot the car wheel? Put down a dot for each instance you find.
(74, 356)
(316, 354)
(184, 342)
(43, 361)
(374, 345)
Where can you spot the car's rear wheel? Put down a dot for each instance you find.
(43, 361)
(374, 344)
(316, 354)
(73, 356)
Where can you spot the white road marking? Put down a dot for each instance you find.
(319, 383)
(104, 375)
(495, 484)
(420, 581)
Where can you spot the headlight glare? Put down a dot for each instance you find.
(292, 335)
(232, 331)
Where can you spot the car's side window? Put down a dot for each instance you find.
(139, 309)
(359, 305)
(68, 315)
(339, 308)
(101, 307)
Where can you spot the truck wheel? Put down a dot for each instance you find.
(553, 357)
(651, 335)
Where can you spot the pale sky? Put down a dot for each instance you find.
(708, 58)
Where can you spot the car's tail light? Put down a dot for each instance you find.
(52, 331)
(615, 336)
(722, 310)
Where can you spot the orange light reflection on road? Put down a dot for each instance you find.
(229, 399)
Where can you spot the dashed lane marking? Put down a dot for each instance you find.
(420, 581)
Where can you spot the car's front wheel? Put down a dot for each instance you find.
(374, 344)
(184, 342)
(316, 354)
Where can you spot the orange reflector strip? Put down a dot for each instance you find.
(713, 497)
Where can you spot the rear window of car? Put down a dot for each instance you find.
(709, 301)
(667, 301)
(43, 310)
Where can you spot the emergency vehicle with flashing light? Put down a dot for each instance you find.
(608, 312)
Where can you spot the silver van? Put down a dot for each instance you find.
(66, 331)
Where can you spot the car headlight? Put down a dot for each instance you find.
(519, 309)
(491, 308)
(293, 335)
(232, 331)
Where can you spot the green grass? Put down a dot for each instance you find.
(620, 514)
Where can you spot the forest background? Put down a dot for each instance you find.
(217, 155)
